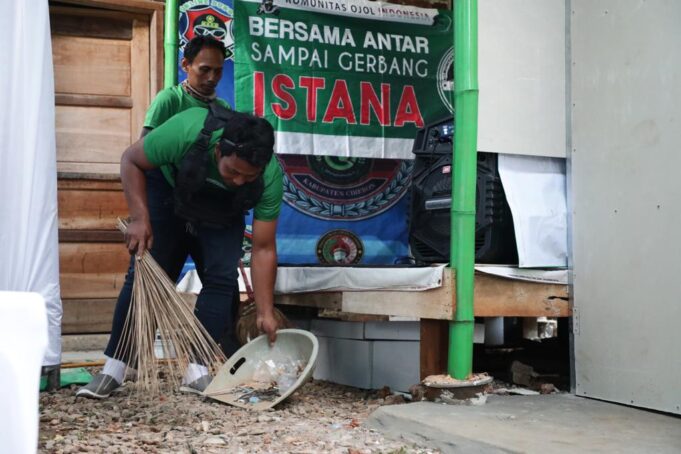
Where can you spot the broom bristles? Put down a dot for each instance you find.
(156, 305)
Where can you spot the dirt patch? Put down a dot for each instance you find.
(319, 418)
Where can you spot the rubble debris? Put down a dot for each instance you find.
(450, 398)
(547, 388)
(418, 393)
(515, 391)
(180, 423)
(447, 381)
(522, 374)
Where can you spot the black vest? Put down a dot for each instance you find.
(202, 202)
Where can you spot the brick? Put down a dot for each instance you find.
(395, 364)
(337, 329)
(345, 361)
(392, 331)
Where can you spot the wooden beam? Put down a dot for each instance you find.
(88, 258)
(134, 6)
(84, 209)
(349, 317)
(68, 99)
(91, 236)
(87, 315)
(90, 285)
(494, 297)
(91, 185)
(434, 347)
(156, 53)
(85, 170)
(75, 23)
(93, 12)
(321, 300)
(139, 70)
(435, 303)
(500, 297)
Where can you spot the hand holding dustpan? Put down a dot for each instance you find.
(247, 320)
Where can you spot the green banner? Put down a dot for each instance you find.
(333, 84)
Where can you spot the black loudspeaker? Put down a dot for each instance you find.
(429, 217)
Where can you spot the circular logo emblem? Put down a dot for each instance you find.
(213, 20)
(339, 247)
(335, 188)
(445, 79)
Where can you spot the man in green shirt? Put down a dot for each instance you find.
(202, 61)
(172, 216)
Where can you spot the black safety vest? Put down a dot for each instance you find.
(204, 203)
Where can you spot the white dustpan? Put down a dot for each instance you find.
(294, 343)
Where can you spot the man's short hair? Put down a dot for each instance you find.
(193, 47)
(250, 137)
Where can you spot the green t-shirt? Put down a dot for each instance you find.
(167, 144)
(171, 101)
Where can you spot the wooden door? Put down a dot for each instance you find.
(105, 56)
(102, 86)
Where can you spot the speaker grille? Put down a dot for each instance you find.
(429, 229)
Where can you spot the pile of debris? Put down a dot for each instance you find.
(319, 417)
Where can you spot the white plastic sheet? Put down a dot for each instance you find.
(536, 192)
(542, 276)
(320, 279)
(28, 173)
(23, 339)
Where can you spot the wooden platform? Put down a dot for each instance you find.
(89, 297)
(494, 297)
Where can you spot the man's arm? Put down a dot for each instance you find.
(146, 130)
(264, 273)
(133, 164)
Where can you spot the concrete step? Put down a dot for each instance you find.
(556, 423)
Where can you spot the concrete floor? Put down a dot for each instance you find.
(534, 424)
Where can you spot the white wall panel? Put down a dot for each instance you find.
(522, 77)
(626, 198)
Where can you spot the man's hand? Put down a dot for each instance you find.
(138, 236)
(268, 324)
(134, 163)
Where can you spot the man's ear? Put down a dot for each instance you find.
(185, 64)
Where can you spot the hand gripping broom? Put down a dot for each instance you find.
(156, 306)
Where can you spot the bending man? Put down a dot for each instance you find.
(173, 215)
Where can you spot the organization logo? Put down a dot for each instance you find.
(445, 79)
(339, 247)
(207, 18)
(339, 188)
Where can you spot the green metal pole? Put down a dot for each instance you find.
(460, 361)
(170, 45)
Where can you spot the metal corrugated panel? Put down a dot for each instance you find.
(625, 164)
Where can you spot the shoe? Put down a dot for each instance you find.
(198, 386)
(100, 387)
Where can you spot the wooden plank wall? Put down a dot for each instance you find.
(107, 58)
(92, 257)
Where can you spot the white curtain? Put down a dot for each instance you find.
(28, 168)
(23, 338)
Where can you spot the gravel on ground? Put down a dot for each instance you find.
(320, 417)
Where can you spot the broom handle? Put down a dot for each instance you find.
(249, 289)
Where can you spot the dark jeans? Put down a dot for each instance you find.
(215, 250)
